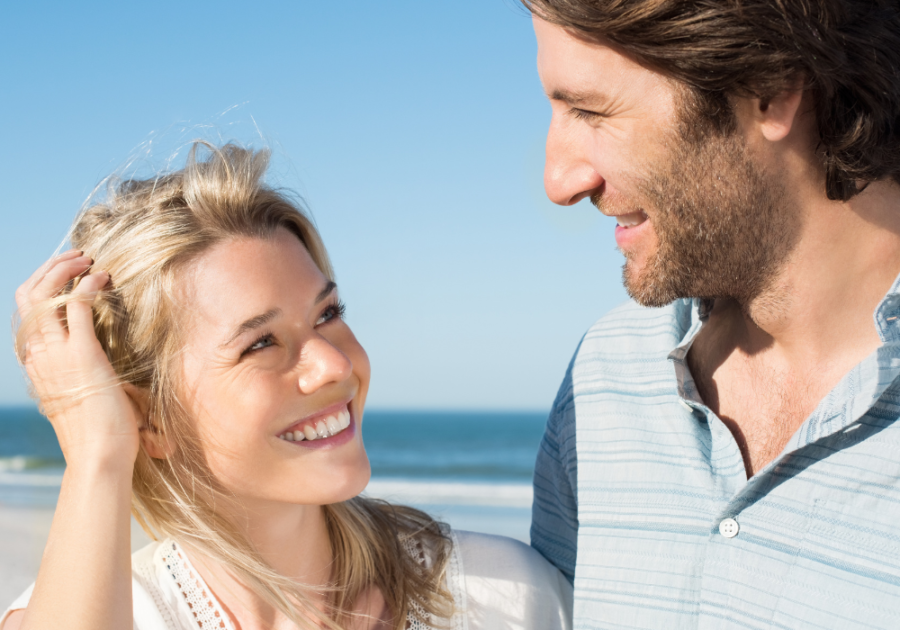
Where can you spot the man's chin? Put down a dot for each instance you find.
(644, 286)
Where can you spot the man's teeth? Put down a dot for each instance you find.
(332, 425)
(631, 220)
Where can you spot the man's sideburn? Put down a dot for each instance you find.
(722, 226)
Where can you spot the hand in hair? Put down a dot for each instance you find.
(97, 424)
(94, 419)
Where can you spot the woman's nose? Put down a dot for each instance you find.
(322, 363)
(569, 175)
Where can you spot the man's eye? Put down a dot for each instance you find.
(334, 311)
(583, 114)
(263, 342)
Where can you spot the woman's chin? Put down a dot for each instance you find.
(351, 485)
(334, 485)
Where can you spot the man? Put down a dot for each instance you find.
(724, 451)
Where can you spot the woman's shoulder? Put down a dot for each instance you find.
(507, 584)
(501, 552)
(151, 599)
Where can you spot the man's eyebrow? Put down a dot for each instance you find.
(252, 324)
(573, 98)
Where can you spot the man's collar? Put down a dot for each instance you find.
(887, 315)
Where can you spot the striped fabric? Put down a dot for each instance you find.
(635, 476)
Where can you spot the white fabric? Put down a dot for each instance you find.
(497, 584)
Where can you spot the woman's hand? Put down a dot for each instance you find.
(95, 421)
(84, 580)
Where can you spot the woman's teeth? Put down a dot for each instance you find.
(332, 425)
(631, 220)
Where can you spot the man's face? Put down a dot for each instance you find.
(697, 217)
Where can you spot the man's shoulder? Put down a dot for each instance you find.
(638, 332)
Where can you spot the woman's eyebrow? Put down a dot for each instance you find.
(252, 324)
(330, 286)
(261, 320)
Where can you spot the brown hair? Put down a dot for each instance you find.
(144, 233)
(845, 52)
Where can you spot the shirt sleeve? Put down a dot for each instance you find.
(554, 517)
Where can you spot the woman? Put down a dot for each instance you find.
(193, 360)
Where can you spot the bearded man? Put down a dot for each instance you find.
(724, 451)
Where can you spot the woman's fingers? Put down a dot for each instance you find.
(78, 309)
(23, 293)
(58, 275)
(50, 322)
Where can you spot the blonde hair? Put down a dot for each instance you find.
(143, 233)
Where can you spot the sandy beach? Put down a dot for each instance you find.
(503, 509)
(23, 534)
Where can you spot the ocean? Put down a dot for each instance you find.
(471, 469)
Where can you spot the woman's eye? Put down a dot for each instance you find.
(259, 344)
(335, 311)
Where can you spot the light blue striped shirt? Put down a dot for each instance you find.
(636, 475)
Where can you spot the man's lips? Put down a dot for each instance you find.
(629, 229)
(632, 219)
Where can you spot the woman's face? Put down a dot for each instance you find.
(274, 379)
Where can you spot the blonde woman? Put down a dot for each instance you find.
(193, 360)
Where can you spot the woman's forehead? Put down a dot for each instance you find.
(244, 277)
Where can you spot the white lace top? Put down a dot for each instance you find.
(497, 584)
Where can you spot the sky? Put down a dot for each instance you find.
(414, 131)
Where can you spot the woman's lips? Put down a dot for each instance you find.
(331, 429)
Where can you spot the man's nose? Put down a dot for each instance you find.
(569, 175)
(322, 363)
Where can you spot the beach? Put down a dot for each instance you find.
(503, 509)
(470, 470)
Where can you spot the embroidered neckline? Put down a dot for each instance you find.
(204, 607)
(209, 615)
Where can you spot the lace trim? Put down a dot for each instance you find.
(455, 573)
(416, 619)
(146, 574)
(199, 599)
(209, 615)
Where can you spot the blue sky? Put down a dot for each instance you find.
(414, 131)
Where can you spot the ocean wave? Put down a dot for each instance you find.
(409, 491)
(21, 463)
(435, 492)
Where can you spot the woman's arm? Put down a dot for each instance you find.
(85, 577)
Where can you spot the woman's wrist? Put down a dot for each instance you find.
(99, 465)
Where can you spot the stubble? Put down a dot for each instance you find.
(722, 227)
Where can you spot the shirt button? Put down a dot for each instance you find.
(729, 528)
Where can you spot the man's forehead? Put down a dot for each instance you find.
(580, 72)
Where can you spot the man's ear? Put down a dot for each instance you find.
(776, 116)
(153, 441)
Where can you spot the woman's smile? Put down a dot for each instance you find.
(329, 428)
(289, 375)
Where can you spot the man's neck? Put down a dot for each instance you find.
(763, 366)
(822, 301)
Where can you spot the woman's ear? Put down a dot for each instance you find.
(153, 441)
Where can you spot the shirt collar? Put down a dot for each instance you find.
(887, 315)
(851, 399)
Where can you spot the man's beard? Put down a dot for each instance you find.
(721, 224)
